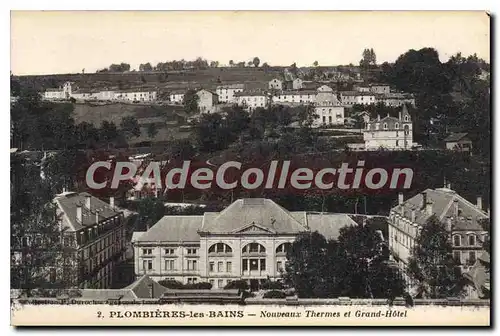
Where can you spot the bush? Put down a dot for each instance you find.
(199, 285)
(172, 284)
(237, 284)
(268, 284)
(274, 294)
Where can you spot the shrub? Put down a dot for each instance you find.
(172, 284)
(237, 284)
(274, 294)
(199, 285)
(268, 284)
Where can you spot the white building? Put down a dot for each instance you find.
(395, 99)
(301, 97)
(459, 216)
(248, 240)
(380, 88)
(350, 98)
(276, 84)
(251, 99)
(207, 101)
(226, 92)
(390, 133)
(63, 92)
(328, 109)
(324, 88)
(177, 97)
(136, 95)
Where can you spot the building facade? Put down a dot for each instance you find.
(458, 142)
(246, 241)
(389, 132)
(251, 100)
(395, 99)
(460, 217)
(207, 101)
(177, 97)
(349, 98)
(276, 84)
(226, 93)
(380, 88)
(301, 97)
(95, 231)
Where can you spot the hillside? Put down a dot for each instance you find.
(165, 81)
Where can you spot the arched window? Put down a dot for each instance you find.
(396, 125)
(254, 248)
(456, 240)
(220, 248)
(406, 118)
(472, 240)
(385, 126)
(283, 248)
(407, 130)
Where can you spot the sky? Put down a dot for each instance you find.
(49, 42)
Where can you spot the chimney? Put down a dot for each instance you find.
(479, 202)
(87, 201)
(79, 213)
(428, 207)
(378, 117)
(424, 199)
(448, 224)
(455, 208)
(96, 217)
(112, 202)
(400, 198)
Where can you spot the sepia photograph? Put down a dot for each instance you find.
(250, 168)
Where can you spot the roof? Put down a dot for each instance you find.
(250, 93)
(455, 137)
(356, 93)
(231, 86)
(443, 200)
(254, 214)
(173, 228)
(140, 289)
(262, 212)
(298, 92)
(68, 202)
(213, 93)
(136, 235)
(329, 225)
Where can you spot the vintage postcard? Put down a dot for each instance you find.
(250, 168)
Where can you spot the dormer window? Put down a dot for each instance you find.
(385, 126)
(472, 240)
(406, 118)
(456, 240)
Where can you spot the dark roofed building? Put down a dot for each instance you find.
(461, 218)
(458, 142)
(247, 240)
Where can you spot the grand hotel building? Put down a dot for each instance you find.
(248, 240)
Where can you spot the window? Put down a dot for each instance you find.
(245, 264)
(262, 264)
(229, 266)
(220, 248)
(279, 266)
(472, 257)
(254, 248)
(254, 264)
(385, 126)
(456, 240)
(219, 266)
(146, 251)
(212, 266)
(192, 265)
(377, 126)
(283, 248)
(169, 251)
(169, 264)
(211, 281)
(396, 126)
(147, 265)
(220, 283)
(192, 251)
(397, 142)
(457, 257)
(406, 118)
(472, 240)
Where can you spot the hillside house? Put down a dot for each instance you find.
(251, 99)
(207, 101)
(390, 133)
(226, 92)
(276, 84)
(458, 142)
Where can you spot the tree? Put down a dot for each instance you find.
(130, 127)
(315, 63)
(150, 210)
(146, 67)
(369, 59)
(265, 66)
(256, 62)
(108, 131)
(431, 264)
(190, 101)
(38, 258)
(152, 131)
(122, 67)
(231, 63)
(214, 64)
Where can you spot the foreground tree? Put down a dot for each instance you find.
(190, 102)
(150, 210)
(431, 264)
(130, 127)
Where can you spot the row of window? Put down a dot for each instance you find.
(223, 248)
(471, 240)
(396, 126)
(220, 267)
(471, 260)
(248, 264)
